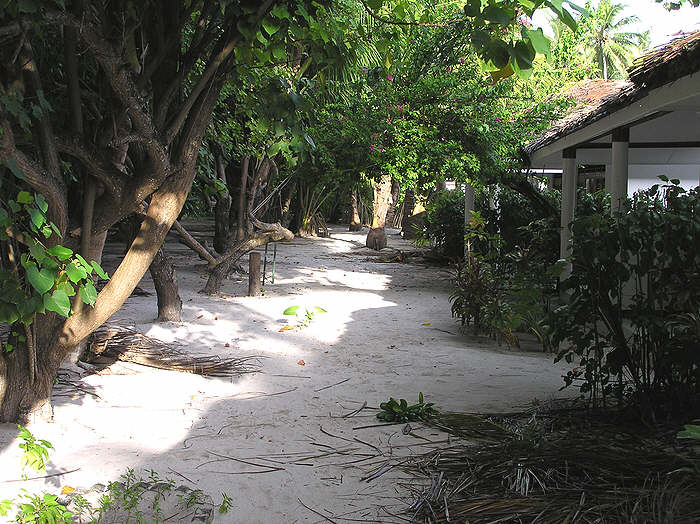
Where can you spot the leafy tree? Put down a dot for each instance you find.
(143, 80)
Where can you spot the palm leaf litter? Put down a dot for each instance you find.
(566, 466)
(111, 343)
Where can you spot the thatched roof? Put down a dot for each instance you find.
(599, 98)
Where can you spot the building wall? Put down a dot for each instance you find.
(644, 176)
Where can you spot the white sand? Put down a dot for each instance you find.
(373, 338)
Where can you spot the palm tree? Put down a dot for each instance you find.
(607, 43)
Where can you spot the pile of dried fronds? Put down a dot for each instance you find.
(111, 343)
(567, 466)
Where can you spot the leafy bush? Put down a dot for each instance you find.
(500, 292)
(632, 319)
(443, 224)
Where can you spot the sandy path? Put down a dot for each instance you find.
(373, 340)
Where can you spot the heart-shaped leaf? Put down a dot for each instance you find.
(42, 280)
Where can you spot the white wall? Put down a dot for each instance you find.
(645, 176)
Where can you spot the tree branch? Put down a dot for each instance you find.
(103, 170)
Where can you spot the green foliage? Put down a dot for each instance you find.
(501, 289)
(42, 509)
(399, 411)
(304, 316)
(690, 431)
(632, 318)
(443, 223)
(36, 451)
(45, 278)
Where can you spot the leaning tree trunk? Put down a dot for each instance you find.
(163, 274)
(391, 212)
(355, 221)
(222, 266)
(376, 238)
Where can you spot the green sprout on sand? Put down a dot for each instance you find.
(304, 316)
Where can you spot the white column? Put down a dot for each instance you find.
(620, 167)
(569, 178)
(468, 208)
(608, 178)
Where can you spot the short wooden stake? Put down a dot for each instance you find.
(254, 275)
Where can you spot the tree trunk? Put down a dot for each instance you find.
(165, 281)
(222, 210)
(376, 239)
(240, 225)
(391, 212)
(355, 222)
(222, 231)
(409, 204)
(26, 394)
(286, 217)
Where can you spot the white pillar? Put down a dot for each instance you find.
(620, 167)
(468, 208)
(569, 178)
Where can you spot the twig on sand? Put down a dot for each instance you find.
(267, 467)
(42, 477)
(326, 387)
(355, 412)
(332, 435)
(257, 394)
(181, 475)
(378, 473)
(316, 512)
(378, 425)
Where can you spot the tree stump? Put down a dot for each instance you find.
(376, 238)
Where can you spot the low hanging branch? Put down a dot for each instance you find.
(222, 265)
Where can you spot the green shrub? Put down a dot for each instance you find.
(632, 320)
(443, 224)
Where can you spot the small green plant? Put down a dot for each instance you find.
(691, 431)
(400, 411)
(43, 510)
(304, 316)
(36, 451)
(226, 503)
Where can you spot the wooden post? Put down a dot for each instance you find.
(254, 274)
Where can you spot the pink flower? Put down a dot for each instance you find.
(364, 70)
(449, 69)
(461, 60)
(382, 150)
(371, 148)
(390, 78)
(498, 119)
(329, 119)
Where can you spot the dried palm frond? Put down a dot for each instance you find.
(571, 470)
(111, 343)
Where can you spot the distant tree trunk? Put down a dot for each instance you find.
(391, 212)
(165, 281)
(222, 208)
(355, 222)
(409, 204)
(376, 238)
(286, 215)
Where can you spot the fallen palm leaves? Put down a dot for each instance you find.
(111, 343)
(568, 467)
